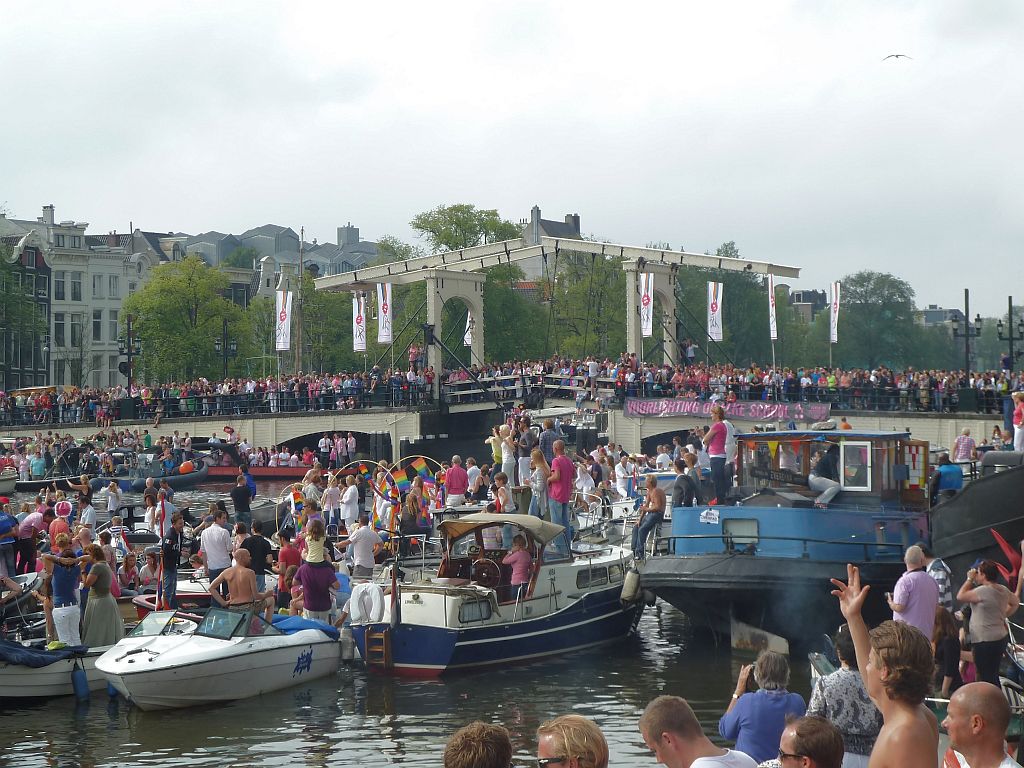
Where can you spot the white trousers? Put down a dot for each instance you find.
(1018, 438)
(66, 621)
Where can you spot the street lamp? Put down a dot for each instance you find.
(225, 348)
(1010, 336)
(46, 358)
(130, 346)
(969, 331)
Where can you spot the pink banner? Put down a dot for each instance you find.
(751, 411)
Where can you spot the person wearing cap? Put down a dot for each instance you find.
(946, 480)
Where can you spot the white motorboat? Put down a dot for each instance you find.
(32, 672)
(8, 479)
(231, 655)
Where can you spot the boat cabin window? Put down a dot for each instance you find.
(162, 623)
(616, 573)
(855, 459)
(474, 610)
(591, 577)
(740, 533)
(224, 624)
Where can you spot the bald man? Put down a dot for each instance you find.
(243, 593)
(976, 721)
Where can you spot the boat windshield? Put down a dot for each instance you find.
(163, 623)
(223, 623)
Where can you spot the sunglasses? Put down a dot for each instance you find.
(784, 755)
(544, 762)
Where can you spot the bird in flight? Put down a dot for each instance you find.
(897, 56)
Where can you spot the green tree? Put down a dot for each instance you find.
(876, 321)
(590, 306)
(178, 315)
(451, 227)
(514, 328)
(242, 258)
(390, 249)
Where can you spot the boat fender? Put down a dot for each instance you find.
(631, 586)
(80, 683)
(367, 603)
(111, 690)
(348, 645)
(649, 598)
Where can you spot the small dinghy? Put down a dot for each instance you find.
(217, 662)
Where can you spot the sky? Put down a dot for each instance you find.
(776, 125)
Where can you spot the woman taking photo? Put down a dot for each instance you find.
(991, 603)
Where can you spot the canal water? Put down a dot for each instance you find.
(357, 717)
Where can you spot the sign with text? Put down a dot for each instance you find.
(750, 411)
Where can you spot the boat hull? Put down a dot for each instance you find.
(8, 482)
(249, 671)
(34, 486)
(21, 682)
(430, 651)
(174, 481)
(790, 597)
(261, 473)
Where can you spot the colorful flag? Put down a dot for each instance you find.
(715, 311)
(384, 313)
(358, 322)
(646, 304)
(773, 327)
(833, 320)
(283, 320)
(402, 481)
(420, 465)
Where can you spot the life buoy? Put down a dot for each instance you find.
(366, 603)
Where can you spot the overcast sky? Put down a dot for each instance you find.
(777, 125)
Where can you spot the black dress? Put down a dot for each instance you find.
(947, 663)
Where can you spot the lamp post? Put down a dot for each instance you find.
(1009, 335)
(130, 346)
(969, 331)
(46, 358)
(225, 348)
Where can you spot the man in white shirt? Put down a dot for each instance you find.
(365, 545)
(624, 471)
(216, 546)
(472, 470)
(663, 460)
(976, 721)
(671, 731)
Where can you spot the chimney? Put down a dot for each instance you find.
(573, 220)
(112, 239)
(48, 215)
(534, 234)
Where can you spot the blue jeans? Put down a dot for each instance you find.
(170, 588)
(539, 506)
(559, 511)
(261, 582)
(214, 573)
(642, 531)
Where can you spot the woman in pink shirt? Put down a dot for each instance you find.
(714, 444)
(520, 560)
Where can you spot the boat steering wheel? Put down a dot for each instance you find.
(486, 573)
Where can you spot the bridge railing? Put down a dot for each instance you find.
(201, 406)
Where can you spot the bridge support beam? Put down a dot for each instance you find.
(665, 291)
(443, 285)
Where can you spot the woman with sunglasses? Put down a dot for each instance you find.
(571, 741)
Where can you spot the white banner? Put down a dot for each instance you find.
(715, 311)
(283, 320)
(467, 337)
(773, 326)
(833, 324)
(383, 313)
(646, 304)
(358, 322)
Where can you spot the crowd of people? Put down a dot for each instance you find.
(870, 711)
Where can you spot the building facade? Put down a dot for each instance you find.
(24, 340)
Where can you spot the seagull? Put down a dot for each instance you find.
(898, 56)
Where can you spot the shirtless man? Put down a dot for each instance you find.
(896, 664)
(241, 583)
(652, 514)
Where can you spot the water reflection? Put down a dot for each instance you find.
(368, 719)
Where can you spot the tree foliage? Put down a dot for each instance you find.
(242, 258)
(451, 227)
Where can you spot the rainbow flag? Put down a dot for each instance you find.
(402, 481)
(364, 471)
(421, 467)
(425, 519)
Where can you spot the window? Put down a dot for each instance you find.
(97, 364)
(615, 573)
(97, 286)
(855, 462)
(97, 325)
(76, 241)
(114, 287)
(112, 371)
(58, 240)
(113, 326)
(58, 329)
(594, 577)
(76, 286)
(131, 287)
(77, 321)
(474, 610)
(58, 372)
(42, 287)
(740, 533)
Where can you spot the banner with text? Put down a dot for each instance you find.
(467, 337)
(750, 411)
(646, 304)
(833, 324)
(283, 320)
(773, 326)
(383, 313)
(358, 322)
(715, 311)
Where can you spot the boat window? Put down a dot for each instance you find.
(740, 533)
(153, 623)
(220, 623)
(258, 627)
(474, 610)
(591, 577)
(856, 465)
(615, 573)
(460, 547)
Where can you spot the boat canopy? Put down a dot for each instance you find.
(541, 530)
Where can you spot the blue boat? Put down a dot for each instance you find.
(468, 615)
(766, 557)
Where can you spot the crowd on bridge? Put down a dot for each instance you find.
(608, 380)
